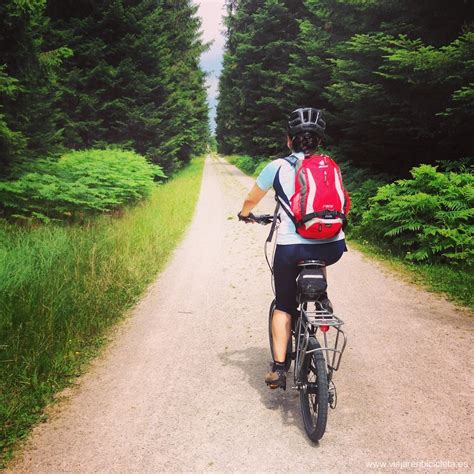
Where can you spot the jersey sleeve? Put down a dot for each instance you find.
(267, 175)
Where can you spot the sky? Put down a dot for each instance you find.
(211, 13)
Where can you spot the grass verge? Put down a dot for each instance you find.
(62, 287)
(457, 284)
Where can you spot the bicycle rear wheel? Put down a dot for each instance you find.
(314, 394)
(289, 348)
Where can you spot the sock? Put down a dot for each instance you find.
(278, 366)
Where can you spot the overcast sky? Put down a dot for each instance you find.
(211, 13)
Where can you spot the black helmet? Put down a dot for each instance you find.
(306, 120)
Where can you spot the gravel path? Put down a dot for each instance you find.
(181, 387)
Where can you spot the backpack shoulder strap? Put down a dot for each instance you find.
(292, 160)
(274, 223)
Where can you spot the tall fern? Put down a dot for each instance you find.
(80, 184)
(429, 217)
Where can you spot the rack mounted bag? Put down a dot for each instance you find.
(311, 284)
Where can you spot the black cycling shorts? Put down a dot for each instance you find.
(285, 269)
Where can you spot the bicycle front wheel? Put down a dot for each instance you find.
(314, 394)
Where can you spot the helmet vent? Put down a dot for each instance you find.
(306, 119)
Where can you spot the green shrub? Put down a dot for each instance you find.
(247, 164)
(428, 218)
(462, 165)
(244, 162)
(362, 185)
(79, 184)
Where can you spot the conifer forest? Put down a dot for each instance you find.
(77, 74)
(395, 77)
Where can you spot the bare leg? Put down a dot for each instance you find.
(281, 327)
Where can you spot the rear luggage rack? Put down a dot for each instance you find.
(322, 317)
(334, 342)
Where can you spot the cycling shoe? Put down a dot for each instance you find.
(276, 379)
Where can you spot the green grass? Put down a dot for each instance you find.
(456, 283)
(62, 287)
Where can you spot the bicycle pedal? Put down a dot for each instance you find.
(274, 387)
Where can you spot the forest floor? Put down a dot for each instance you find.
(180, 388)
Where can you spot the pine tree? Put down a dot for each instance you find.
(29, 120)
(253, 95)
(388, 93)
(134, 79)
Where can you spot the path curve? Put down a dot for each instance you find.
(181, 387)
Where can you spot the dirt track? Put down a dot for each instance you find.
(181, 387)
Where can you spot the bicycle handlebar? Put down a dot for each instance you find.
(263, 219)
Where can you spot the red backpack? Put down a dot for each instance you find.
(320, 204)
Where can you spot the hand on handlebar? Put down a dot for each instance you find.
(264, 219)
(250, 218)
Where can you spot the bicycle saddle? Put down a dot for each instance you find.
(311, 263)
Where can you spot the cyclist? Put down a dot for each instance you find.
(305, 132)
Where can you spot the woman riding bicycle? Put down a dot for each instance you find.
(305, 132)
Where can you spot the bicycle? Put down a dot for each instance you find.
(314, 363)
